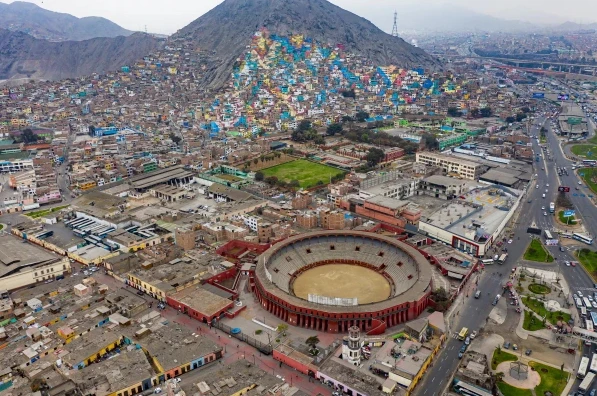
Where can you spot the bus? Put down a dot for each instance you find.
(593, 318)
(548, 235)
(589, 162)
(463, 333)
(586, 383)
(582, 238)
(587, 303)
(487, 261)
(589, 323)
(502, 258)
(582, 369)
(583, 312)
(593, 364)
(552, 207)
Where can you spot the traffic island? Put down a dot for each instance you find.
(536, 252)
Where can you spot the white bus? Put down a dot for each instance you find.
(578, 302)
(582, 369)
(502, 258)
(582, 238)
(589, 162)
(593, 365)
(548, 234)
(586, 383)
(589, 323)
(487, 261)
(583, 312)
(587, 303)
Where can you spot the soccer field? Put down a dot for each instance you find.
(306, 172)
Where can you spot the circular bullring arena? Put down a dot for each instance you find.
(332, 280)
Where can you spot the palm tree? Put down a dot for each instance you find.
(312, 342)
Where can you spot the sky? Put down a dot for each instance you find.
(164, 17)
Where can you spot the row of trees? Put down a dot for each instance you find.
(475, 112)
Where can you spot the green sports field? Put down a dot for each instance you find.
(306, 172)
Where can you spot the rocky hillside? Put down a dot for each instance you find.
(55, 26)
(23, 56)
(226, 30)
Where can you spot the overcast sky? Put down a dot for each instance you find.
(168, 16)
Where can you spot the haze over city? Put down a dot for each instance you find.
(136, 14)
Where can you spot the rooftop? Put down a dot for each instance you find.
(15, 255)
(202, 300)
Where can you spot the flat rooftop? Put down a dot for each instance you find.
(202, 300)
(159, 176)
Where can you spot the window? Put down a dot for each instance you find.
(380, 254)
(35, 274)
(308, 251)
(410, 277)
(332, 247)
(357, 248)
(399, 263)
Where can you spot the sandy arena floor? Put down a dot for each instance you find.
(343, 281)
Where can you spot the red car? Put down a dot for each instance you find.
(573, 263)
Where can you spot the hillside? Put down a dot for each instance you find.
(44, 24)
(226, 30)
(22, 55)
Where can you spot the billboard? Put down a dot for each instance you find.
(563, 97)
(574, 120)
(563, 189)
(568, 213)
(538, 95)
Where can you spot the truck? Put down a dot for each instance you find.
(496, 299)
(552, 207)
(502, 259)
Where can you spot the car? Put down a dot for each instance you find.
(140, 292)
(544, 213)
(561, 248)
(528, 352)
(546, 190)
(547, 185)
(467, 341)
(529, 201)
(580, 183)
(506, 345)
(573, 263)
(157, 390)
(509, 240)
(593, 391)
(463, 348)
(567, 263)
(515, 347)
(460, 355)
(543, 208)
(595, 285)
(579, 293)
(473, 335)
(537, 186)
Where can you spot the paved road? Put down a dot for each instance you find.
(473, 313)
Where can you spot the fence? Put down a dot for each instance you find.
(263, 348)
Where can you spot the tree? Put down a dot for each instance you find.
(256, 161)
(304, 125)
(294, 184)
(333, 129)
(520, 117)
(312, 342)
(271, 180)
(259, 176)
(510, 120)
(475, 112)
(374, 156)
(430, 141)
(28, 136)
(282, 328)
(91, 129)
(175, 139)
(361, 116)
(346, 118)
(319, 140)
(454, 112)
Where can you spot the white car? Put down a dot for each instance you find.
(544, 213)
(580, 183)
(473, 335)
(509, 240)
(543, 208)
(547, 185)
(579, 293)
(537, 186)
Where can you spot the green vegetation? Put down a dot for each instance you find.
(1, 226)
(41, 213)
(500, 356)
(306, 172)
(566, 220)
(532, 323)
(509, 390)
(538, 307)
(536, 252)
(588, 259)
(539, 289)
(553, 379)
(586, 151)
(589, 175)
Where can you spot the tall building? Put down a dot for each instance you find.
(351, 350)
(185, 238)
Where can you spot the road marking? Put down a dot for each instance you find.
(432, 379)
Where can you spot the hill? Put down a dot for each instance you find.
(23, 56)
(41, 23)
(227, 30)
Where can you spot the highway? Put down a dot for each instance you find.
(473, 313)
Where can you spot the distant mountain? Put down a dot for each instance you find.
(226, 30)
(445, 18)
(41, 23)
(573, 26)
(23, 56)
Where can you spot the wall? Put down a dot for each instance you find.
(27, 276)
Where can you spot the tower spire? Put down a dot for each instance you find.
(395, 27)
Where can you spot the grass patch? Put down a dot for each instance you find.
(509, 390)
(531, 323)
(566, 220)
(552, 379)
(539, 289)
(500, 356)
(538, 307)
(588, 259)
(41, 213)
(225, 176)
(589, 175)
(1, 226)
(536, 252)
(306, 172)
(586, 151)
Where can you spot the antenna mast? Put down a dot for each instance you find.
(395, 27)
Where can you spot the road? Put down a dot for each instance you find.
(473, 313)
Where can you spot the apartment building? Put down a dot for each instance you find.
(452, 165)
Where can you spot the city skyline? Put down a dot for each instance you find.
(138, 15)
